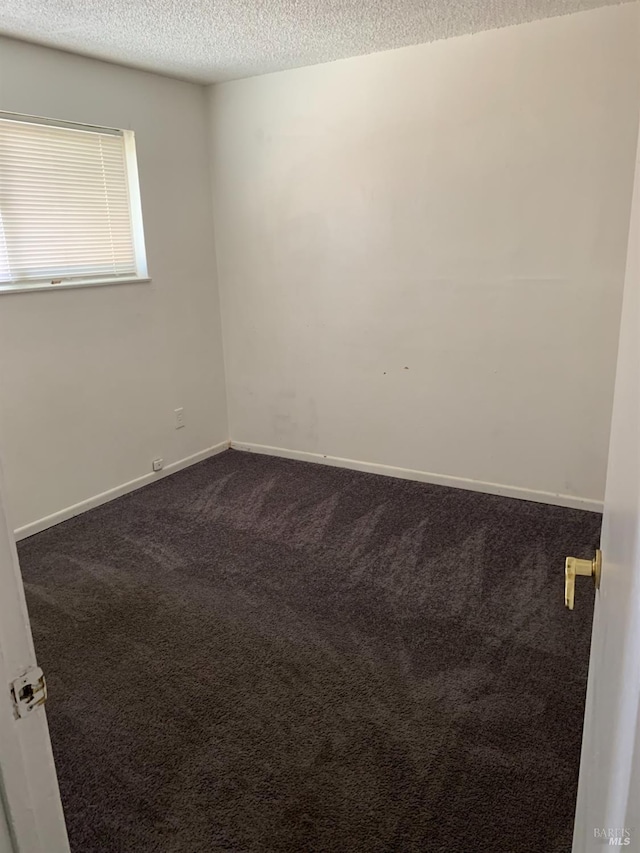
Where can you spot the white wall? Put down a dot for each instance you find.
(421, 252)
(89, 378)
(458, 209)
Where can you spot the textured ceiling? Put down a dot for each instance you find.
(212, 40)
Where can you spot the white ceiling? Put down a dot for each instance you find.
(213, 40)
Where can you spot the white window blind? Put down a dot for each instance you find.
(65, 204)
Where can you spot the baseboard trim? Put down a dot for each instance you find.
(518, 492)
(426, 477)
(103, 498)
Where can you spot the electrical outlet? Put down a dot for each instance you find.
(179, 413)
(158, 464)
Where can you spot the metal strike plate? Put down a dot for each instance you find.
(29, 691)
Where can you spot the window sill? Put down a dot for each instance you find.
(68, 285)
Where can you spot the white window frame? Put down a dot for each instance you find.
(135, 202)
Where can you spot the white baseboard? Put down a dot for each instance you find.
(118, 491)
(355, 464)
(427, 477)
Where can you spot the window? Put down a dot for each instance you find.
(69, 205)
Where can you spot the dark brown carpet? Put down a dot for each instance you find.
(257, 655)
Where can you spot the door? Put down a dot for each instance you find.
(608, 804)
(6, 845)
(30, 807)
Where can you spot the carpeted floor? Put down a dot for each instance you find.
(257, 655)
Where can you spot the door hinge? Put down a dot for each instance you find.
(29, 691)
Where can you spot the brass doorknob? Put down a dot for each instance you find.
(572, 567)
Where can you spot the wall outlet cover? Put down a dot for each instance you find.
(158, 464)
